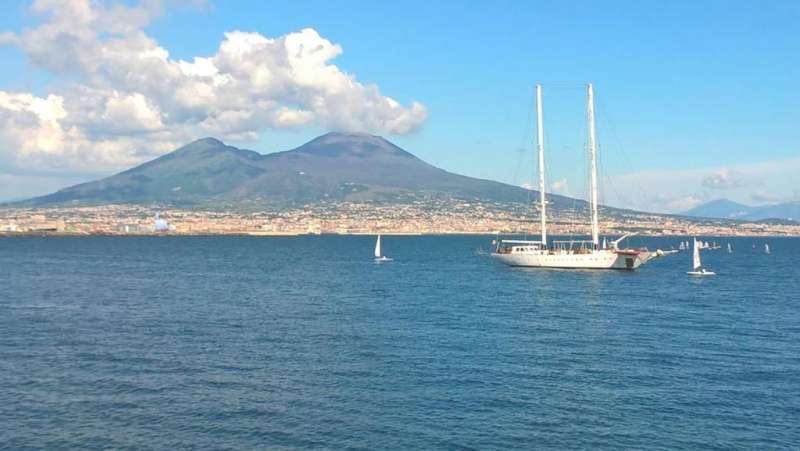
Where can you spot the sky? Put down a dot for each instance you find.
(696, 100)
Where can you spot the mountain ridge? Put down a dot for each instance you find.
(334, 166)
(727, 209)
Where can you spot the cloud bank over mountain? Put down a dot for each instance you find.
(676, 191)
(119, 98)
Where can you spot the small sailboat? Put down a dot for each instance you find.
(697, 266)
(730, 249)
(378, 256)
(766, 248)
(682, 246)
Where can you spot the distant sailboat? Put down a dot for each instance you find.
(682, 246)
(730, 249)
(697, 266)
(378, 256)
(766, 248)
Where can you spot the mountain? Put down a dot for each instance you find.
(720, 208)
(723, 208)
(786, 210)
(335, 166)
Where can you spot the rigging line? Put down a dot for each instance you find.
(549, 200)
(572, 216)
(523, 149)
(528, 138)
(584, 139)
(638, 192)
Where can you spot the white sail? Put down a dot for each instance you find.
(766, 248)
(696, 257)
(730, 250)
(378, 247)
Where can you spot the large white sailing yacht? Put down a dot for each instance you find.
(582, 254)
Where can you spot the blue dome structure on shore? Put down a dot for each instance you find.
(160, 225)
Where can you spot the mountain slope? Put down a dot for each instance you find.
(197, 171)
(719, 208)
(723, 208)
(335, 166)
(786, 210)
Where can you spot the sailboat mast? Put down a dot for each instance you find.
(540, 148)
(593, 160)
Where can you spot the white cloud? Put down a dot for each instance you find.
(131, 113)
(128, 100)
(30, 125)
(560, 187)
(724, 179)
(682, 204)
(39, 134)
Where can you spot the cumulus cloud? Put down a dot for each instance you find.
(681, 204)
(723, 179)
(127, 99)
(560, 187)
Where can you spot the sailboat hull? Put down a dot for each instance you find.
(601, 259)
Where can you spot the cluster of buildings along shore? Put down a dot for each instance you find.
(361, 218)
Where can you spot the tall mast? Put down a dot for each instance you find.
(540, 148)
(593, 159)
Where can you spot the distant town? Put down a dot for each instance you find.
(423, 217)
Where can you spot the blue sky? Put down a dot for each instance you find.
(687, 91)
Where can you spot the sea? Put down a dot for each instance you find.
(305, 343)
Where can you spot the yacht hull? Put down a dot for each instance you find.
(603, 259)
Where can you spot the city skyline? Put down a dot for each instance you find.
(695, 100)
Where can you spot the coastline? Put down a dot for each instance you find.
(363, 219)
(256, 234)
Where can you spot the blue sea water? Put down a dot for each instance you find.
(304, 342)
